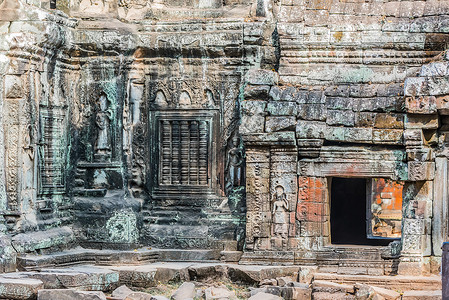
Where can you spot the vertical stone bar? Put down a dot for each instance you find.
(445, 270)
(439, 220)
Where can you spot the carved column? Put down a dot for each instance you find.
(257, 198)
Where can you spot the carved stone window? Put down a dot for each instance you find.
(183, 153)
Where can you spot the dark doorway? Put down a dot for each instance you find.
(349, 213)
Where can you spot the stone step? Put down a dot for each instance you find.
(85, 277)
(19, 288)
(79, 256)
(398, 282)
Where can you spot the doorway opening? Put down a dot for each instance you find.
(348, 213)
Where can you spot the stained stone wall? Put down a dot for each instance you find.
(220, 125)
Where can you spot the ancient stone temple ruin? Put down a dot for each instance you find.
(284, 132)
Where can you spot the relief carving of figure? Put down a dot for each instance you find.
(234, 165)
(103, 121)
(280, 215)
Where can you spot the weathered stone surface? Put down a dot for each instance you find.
(185, 291)
(331, 287)
(7, 255)
(264, 296)
(60, 237)
(121, 292)
(69, 294)
(139, 296)
(220, 292)
(424, 295)
(19, 288)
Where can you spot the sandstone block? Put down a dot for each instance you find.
(69, 294)
(310, 130)
(19, 288)
(264, 296)
(422, 295)
(331, 287)
(422, 121)
(285, 108)
(185, 291)
(262, 77)
(8, 255)
(273, 124)
(418, 171)
(121, 292)
(220, 292)
(389, 120)
(340, 117)
(421, 105)
(256, 92)
(139, 296)
(387, 136)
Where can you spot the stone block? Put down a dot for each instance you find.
(387, 136)
(262, 77)
(333, 296)
(13, 87)
(418, 171)
(285, 108)
(139, 296)
(340, 117)
(331, 287)
(56, 238)
(8, 255)
(342, 103)
(258, 92)
(310, 129)
(121, 292)
(313, 112)
(421, 105)
(253, 120)
(443, 104)
(69, 294)
(283, 123)
(84, 277)
(19, 288)
(422, 295)
(185, 291)
(364, 119)
(422, 121)
(221, 292)
(264, 296)
(389, 121)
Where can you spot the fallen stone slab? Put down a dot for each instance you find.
(331, 287)
(69, 294)
(139, 296)
(264, 296)
(140, 276)
(121, 292)
(89, 278)
(332, 296)
(255, 274)
(220, 292)
(302, 292)
(185, 291)
(207, 272)
(422, 295)
(19, 288)
(159, 297)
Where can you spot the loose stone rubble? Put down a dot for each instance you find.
(305, 135)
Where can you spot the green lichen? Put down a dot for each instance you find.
(122, 227)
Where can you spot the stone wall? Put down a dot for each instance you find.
(220, 125)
